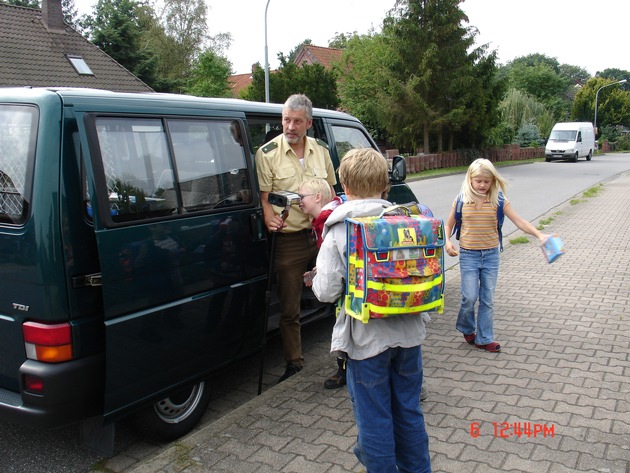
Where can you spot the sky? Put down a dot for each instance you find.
(588, 34)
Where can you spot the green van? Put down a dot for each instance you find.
(133, 255)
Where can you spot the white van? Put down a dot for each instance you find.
(571, 140)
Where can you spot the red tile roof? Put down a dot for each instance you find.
(309, 54)
(239, 82)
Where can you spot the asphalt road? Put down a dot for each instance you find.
(535, 189)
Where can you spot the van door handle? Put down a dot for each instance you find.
(255, 227)
(93, 280)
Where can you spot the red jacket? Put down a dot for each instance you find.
(318, 222)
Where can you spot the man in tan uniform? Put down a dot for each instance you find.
(281, 165)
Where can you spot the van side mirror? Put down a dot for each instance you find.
(399, 169)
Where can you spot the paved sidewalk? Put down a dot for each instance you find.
(563, 372)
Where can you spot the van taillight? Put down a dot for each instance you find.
(48, 343)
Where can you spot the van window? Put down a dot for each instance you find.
(562, 135)
(18, 132)
(347, 138)
(159, 167)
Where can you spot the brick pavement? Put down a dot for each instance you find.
(564, 371)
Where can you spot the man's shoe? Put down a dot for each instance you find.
(424, 393)
(290, 370)
(337, 380)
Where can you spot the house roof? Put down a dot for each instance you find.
(34, 50)
(239, 82)
(310, 54)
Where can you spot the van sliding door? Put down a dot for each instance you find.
(183, 258)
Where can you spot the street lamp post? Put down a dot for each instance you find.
(267, 58)
(596, 97)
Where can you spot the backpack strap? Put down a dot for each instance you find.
(418, 209)
(457, 228)
(500, 218)
(395, 210)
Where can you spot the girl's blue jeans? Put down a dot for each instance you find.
(385, 395)
(479, 271)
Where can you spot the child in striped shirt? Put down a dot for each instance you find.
(479, 250)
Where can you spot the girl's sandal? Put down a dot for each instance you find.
(493, 347)
(470, 337)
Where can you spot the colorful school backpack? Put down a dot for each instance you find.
(459, 204)
(395, 265)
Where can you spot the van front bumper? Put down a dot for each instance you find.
(73, 391)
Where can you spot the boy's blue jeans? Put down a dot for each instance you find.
(479, 271)
(385, 395)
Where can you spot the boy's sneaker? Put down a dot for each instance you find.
(337, 380)
(290, 370)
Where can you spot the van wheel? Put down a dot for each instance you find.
(175, 415)
(590, 155)
(575, 158)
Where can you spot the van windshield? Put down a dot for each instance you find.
(563, 135)
(18, 131)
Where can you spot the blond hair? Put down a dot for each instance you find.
(485, 168)
(320, 186)
(363, 172)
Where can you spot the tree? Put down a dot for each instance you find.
(434, 84)
(363, 76)
(613, 103)
(209, 76)
(116, 27)
(314, 80)
(546, 80)
(70, 13)
(180, 38)
(519, 108)
(340, 40)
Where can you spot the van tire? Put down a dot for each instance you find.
(590, 155)
(575, 158)
(174, 416)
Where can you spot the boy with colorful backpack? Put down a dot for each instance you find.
(384, 366)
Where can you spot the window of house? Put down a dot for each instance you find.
(80, 65)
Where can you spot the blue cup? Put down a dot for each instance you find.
(553, 248)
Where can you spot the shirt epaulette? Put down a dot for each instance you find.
(269, 147)
(322, 143)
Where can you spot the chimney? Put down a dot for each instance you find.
(52, 15)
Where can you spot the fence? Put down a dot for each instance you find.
(424, 162)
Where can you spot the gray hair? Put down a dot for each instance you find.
(300, 102)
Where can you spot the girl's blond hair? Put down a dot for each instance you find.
(485, 168)
(320, 186)
(363, 171)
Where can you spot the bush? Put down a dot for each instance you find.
(623, 143)
(528, 135)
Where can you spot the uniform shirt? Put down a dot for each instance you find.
(279, 169)
(479, 227)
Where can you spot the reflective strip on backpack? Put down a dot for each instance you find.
(368, 309)
(383, 286)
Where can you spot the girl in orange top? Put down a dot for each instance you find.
(479, 250)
